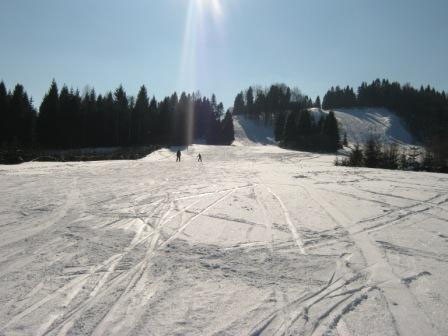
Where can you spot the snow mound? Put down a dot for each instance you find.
(362, 123)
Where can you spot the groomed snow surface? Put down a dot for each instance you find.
(256, 240)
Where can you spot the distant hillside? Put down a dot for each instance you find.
(423, 110)
(361, 123)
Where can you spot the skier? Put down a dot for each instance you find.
(178, 155)
(199, 157)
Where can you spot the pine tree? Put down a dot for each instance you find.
(356, 157)
(250, 102)
(4, 111)
(48, 133)
(227, 129)
(64, 120)
(23, 117)
(141, 117)
(152, 123)
(122, 117)
(317, 103)
(290, 132)
(279, 127)
(239, 105)
(331, 133)
(390, 157)
(372, 152)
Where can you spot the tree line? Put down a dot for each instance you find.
(424, 110)
(67, 119)
(287, 111)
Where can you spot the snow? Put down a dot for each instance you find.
(248, 132)
(362, 123)
(256, 240)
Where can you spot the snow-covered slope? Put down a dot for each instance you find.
(256, 240)
(361, 123)
(251, 133)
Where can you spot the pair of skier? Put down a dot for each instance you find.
(179, 154)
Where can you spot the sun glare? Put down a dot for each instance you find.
(213, 5)
(203, 19)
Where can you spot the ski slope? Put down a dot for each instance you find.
(256, 240)
(362, 123)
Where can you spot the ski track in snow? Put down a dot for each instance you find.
(256, 240)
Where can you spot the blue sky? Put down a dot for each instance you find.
(221, 46)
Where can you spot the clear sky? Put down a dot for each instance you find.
(221, 46)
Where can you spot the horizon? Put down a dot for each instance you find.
(221, 47)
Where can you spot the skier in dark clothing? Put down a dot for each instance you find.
(199, 157)
(178, 155)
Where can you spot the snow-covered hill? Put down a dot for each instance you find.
(252, 133)
(361, 123)
(256, 240)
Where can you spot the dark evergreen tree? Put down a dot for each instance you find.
(356, 157)
(122, 117)
(331, 133)
(48, 132)
(141, 118)
(4, 114)
(239, 106)
(390, 157)
(317, 103)
(22, 118)
(227, 129)
(372, 153)
(279, 127)
(290, 133)
(250, 102)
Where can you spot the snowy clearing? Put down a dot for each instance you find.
(362, 123)
(257, 240)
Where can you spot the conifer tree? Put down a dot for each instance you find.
(227, 129)
(356, 157)
(279, 126)
(331, 132)
(290, 132)
(317, 103)
(141, 118)
(23, 117)
(372, 153)
(4, 111)
(48, 133)
(122, 117)
(239, 105)
(250, 102)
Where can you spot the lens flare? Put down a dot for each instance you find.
(203, 17)
(200, 15)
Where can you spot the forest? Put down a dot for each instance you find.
(424, 110)
(287, 110)
(68, 120)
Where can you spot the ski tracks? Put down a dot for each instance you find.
(297, 238)
(407, 314)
